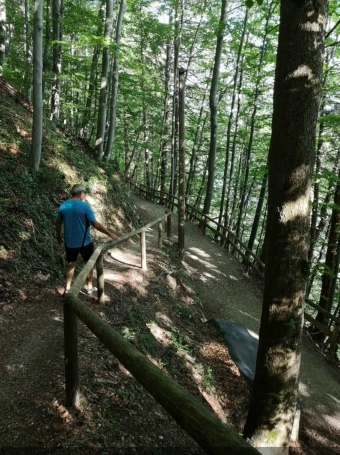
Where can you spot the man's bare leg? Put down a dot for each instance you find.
(70, 267)
(89, 279)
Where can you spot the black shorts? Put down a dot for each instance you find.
(85, 252)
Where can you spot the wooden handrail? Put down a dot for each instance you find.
(215, 437)
(245, 252)
(196, 419)
(97, 258)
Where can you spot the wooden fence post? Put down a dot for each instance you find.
(333, 342)
(160, 234)
(168, 226)
(100, 278)
(71, 356)
(143, 250)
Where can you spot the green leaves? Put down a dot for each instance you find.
(250, 3)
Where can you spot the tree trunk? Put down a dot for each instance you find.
(112, 127)
(213, 111)
(57, 11)
(329, 275)
(37, 86)
(3, 26)
(181, 167)
(231, 117)
(296, 103)
(101, 123)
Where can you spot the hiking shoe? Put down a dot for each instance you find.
(91, 290)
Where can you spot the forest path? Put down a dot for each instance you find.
(31, 355)
(227, 293)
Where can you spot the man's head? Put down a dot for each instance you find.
(78, 189)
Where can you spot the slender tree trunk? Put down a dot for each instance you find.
(231, 117)
(166, 127)
(179, 17)
(291, 157)
(242, 205)
(57, 13)
(258, 213)
(213, 111)
(329, 272)
(112, 127)
(37, 85)
(181, 167)
(47, 43)
(84, 131)
(101, 123)
(3, 28)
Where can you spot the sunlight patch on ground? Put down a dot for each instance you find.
(129, 278)
(200, 252)
(161, 335)
(334, 399)
(332, 420)
(248, 315)
(303, 389)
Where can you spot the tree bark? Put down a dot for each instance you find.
(114, 96)
(3, 26)
(101, 123)
(37, 86)
(213, 110)
(291, 156)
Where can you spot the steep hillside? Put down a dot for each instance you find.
(28, 202)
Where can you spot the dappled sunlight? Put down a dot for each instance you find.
(332, 420)
(160, 334)
(135, 281)
(303, 389)
(250, 316)
(199, 252)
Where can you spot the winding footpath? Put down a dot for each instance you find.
(227, 293)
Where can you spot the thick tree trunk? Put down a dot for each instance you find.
(291, 157)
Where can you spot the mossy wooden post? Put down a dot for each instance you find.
(71, 356)
(160, 234)
(100, 278)
(215, 437)
(143, 250)
(334, 342)
(168, 226)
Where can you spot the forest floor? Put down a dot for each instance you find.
(163, 312)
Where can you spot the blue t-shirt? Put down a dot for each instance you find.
(72, 214)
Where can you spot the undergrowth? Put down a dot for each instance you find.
(29, 201)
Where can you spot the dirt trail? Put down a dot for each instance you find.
(226, 292)
(31, 355)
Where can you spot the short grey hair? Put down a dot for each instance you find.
(78, 188)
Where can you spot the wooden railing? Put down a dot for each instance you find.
(198, 421)
(226, 237)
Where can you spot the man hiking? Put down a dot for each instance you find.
(77, 217)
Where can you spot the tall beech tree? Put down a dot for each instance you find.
(213, 103)
(297, 90)
(102, 108)
(3, 26)
(37, 85)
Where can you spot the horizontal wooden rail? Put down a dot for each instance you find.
(97, 256)
(227, 236)
(215, 437)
